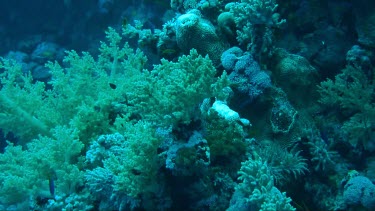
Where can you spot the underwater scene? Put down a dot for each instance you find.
(179, 105)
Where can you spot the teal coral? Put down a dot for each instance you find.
(25, 174)
(135, 164)
(359, 190)
(182, 86)
(78, 91)
(148, 119)
(18, 114)
(258, 190)
(125, 164)
(226, 132)
(88, 97)
(112, 93)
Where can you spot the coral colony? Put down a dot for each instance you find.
(239, 105)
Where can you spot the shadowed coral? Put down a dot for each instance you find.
(293, 70)
(227, 25)
(351, 95)
(189, 159)
(254, 20)
(245, 73)
(284, 164)
(323, 157)
(360, 191)
(283, 115)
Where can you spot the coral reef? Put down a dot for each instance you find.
(192, 31)
(359, 190)
(187, 105)
(351, 91)
(257, 190)
(255, 21)
(245, 73)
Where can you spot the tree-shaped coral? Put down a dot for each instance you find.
(350, 97)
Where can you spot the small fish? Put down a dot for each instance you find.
(168, 52)
(136, 172)
(124, 22)
(51, 182)
(51, 186)
(113, 86)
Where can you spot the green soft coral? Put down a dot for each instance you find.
(83, 99)
(257, 187)
(25, 174)
(226, 135)
(20, 100)
(136, 163)
(81, 92)
(350, 94)
(87, 93)
(174, 90)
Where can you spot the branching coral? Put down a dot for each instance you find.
(351, 93)
(323, 157)
(257, 190)
(79, 93)
(255, 20)
(47, 168)
(20, 100)
(172, 91)
(131, 159)
(225, 131)
(89, 96)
